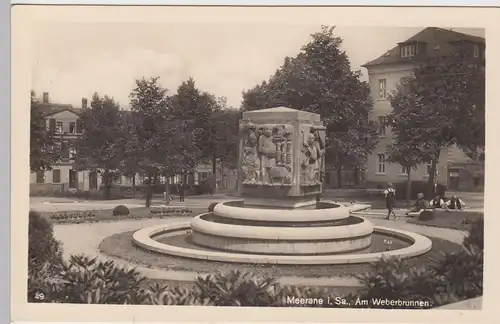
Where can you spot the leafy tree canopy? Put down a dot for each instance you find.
(43, 151)
(319, 79)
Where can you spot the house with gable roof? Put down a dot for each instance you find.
(455, 169)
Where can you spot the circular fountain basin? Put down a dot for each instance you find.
(236, 210)
(145, 238)
(213, 231)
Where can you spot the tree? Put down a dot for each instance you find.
(319, 79)
(154, 137)
(43, 150)
(442, 106)
(193, 109)
(101, 146)
(224, 137)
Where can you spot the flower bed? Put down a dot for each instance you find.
(94, 216)
(171, 210)
(72, 216)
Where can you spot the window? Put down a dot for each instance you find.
(382, 88)
(52, 125)
(428, 168)
(72, 153)
(40, 176)
(381, 163)
(404, 170)
(382, 120)
(203, 175)
(406, 84)
(72, 127)
(408, 51)
(56, 176)
(476, 50)
(59, 127)
(64, 151)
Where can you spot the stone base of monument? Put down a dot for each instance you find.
(292, 232)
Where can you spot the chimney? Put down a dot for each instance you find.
(84, 103)
(45, 97)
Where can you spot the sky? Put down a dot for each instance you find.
(74, 60)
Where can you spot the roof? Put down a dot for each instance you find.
(49, 109)
(432, 37)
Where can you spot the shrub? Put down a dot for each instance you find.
(394, 279)
(476, 234)
(44, 251)
(460, 274)
(426, 215)
(211, 207)
(416, 187)
(237, 288)
(121, 210)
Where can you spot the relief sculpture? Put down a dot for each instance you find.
(250, 164)
(312, 157)
(267, 155)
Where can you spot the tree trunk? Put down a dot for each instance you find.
(167, 193)
(356, 176)
(222, 184)
(148, 192)
(432, 177)
(339, 177)
(133, 184)
(408, 189)
(214, 171)
(107, 183)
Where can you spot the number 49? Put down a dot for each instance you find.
(39, 296)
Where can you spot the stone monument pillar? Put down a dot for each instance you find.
(281, 158)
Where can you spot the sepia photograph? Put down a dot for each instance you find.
(310, 165)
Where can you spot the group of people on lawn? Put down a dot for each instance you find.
(421, 204)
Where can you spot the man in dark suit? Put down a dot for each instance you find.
(181, 189)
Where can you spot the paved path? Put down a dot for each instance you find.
(85, 238)
(90, 235)
(43, 204)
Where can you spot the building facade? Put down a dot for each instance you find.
(392, 69)
(63, 121)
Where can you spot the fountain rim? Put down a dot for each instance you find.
(203, 226)
(281, 215)
(143, 238)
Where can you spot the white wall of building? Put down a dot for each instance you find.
(393, 76)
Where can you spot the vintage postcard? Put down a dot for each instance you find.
(303, 163)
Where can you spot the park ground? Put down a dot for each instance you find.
(86, 237)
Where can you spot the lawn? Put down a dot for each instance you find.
(93, 216)
(120, 245)
(459, 220)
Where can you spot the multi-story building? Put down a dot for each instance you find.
(63, 121)
(385, 73)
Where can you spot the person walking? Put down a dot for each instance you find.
(181, 191)
(390, 197)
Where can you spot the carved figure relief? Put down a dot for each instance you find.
(267, 154)
(250, 163)
(312, 157)
(267, 150)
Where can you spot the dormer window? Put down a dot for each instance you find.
(476, 51)
(407, 50)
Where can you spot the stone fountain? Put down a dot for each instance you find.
(278, 218)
